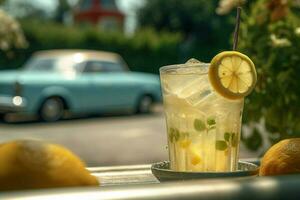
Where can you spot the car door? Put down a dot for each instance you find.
(110, 86)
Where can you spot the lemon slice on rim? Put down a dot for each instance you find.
(232, 74)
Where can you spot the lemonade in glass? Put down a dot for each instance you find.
(204, 121)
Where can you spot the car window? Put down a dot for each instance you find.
(112, 66)
(41, 64)
(102, 66)
(60, 64)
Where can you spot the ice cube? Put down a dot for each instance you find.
(197, 98)
(192, 88)
(193, 61)
(185, 81)
(205, 100)
(196, 91)
(174, 84)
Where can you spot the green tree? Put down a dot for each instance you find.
(270, 35)
(62, 9)
(188, 17)
(205, 32)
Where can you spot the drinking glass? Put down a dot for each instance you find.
(203, 128)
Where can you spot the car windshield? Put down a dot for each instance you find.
(49, 64)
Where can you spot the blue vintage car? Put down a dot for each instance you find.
(78, 81)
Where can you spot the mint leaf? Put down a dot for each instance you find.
(185, 135)
(199, 125)
(176, 135)
(231, 136)
(171, 134)
(211, 121)
(227, 136)
(234, 140)
(221, 145)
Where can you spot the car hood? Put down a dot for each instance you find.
(9, 76)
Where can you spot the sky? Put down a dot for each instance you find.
(129, 7)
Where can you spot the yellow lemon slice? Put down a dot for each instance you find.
(194, 155)
(185, 143)
(232, 74)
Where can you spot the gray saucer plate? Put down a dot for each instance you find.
(163, 173)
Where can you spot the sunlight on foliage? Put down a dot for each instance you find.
(11, 34)
(225, 6)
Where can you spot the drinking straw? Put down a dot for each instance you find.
(237, 27)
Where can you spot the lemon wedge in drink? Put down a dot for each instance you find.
(232, 74)
(194, 155)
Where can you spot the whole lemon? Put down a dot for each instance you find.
(282, 158)
(29, 164)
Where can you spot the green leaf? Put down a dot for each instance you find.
(185, 135)
(227, 136)
(199, 125)
(176, 134)
(221, 145)
(234, 140)
(231, 137)
(171, 134)
(211, 121)
(255, 141)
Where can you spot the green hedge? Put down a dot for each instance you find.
(146, 51)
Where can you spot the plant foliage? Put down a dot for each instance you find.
(205, 32)
(270, 35)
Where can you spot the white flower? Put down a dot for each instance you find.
(11, 34)
(280, 42)
(297, 31)
(4, 45)
(225, 6)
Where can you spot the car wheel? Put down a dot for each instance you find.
(145, 103)
(52, 109)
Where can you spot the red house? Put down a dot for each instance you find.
(102, 13)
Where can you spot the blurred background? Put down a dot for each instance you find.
(136, 38)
